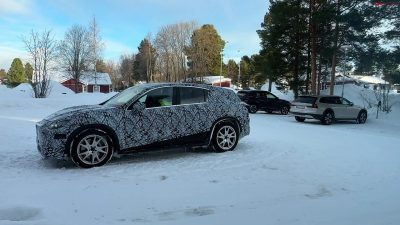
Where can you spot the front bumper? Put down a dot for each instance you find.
(47, 145)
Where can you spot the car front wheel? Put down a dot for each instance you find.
(225, 138)
(300, 119)
(91, 149)
(328, 118)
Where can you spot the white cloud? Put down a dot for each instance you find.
(8, 54)
(15, 7)
(113, 50)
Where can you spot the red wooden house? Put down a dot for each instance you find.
(88, 82)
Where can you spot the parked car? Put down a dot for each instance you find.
(142, 117)
(263, 100)
(327, 109)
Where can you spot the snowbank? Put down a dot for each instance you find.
(286, 95)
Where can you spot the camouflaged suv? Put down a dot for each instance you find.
(144, 117)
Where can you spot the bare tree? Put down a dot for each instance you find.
(126, 69)
(113, 70)
(96, 46)
(75, 54)
(41, 48)
(170, 43)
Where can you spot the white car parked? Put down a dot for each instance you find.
(327, 109)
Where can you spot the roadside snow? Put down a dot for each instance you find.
(286, 95)
(283, 173)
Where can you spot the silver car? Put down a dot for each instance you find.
(327, 109)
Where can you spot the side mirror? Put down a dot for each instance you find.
(351, 103)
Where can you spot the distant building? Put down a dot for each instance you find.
(88, 83)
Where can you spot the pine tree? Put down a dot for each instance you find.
(205, 51)
(3, 74)
(145, 61)
(232, 71)
(16, 73)
(28, 72)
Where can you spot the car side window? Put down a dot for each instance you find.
(337, 101)
(271, 96)
(345, 101)
(324, 100)
(158, 97)
(189, 95)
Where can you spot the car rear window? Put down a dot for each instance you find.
(190, 95)
(306, 99)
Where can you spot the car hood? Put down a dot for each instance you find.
(284, 101)
(70, 111)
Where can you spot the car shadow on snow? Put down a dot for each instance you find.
(136, 157)
(336, 123)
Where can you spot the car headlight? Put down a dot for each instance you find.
(55, 125)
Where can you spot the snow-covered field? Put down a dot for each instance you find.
(283, 173)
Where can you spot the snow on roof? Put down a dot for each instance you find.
(215, 79)
(100, 79)
(87, 77)
(372, 80)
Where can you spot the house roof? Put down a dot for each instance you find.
(87, 78)
(372, 80)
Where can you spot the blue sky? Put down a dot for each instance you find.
(124, 23)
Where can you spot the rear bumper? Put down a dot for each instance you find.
(307, 115)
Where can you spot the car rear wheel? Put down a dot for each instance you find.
(253, 109)
(327, 118)
(300, 119)
(225, 138)
(284, 110)
(92, 148)
(362, 117)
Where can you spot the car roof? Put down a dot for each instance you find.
(253, 91)
(319, 96)
(156, 85)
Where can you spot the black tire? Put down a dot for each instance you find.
(98, 154)
(328, 117)
(222, 132)
(300, 119)
(285, 110)
(253, 109)
(362, 117)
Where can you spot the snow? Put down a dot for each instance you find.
(286, 95)
(285, 172)
(86, 77)
(370, 79)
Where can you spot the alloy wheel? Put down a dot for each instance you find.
(226, 137)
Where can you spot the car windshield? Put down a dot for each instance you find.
(124, 97)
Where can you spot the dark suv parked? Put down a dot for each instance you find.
(263, 100)
(142, 117)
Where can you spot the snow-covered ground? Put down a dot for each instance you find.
(283, 173)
